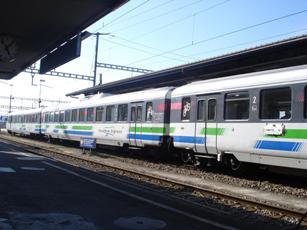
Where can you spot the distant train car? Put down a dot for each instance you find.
(258, 118)
(3, 119)
(27, 122)
(133, 119)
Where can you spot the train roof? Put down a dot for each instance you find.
(144, 95)
(243, 81)
(25, 112)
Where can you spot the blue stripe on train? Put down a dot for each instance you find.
(144, 137)
(189, 139)
(42, 130)
(279, 145)
(81, 133)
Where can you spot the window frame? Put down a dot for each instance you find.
(119, 110)
(112, 107)
(61, 116)
(98, 109)
(67, 115)
(203, 110)
(261, 106)
(93, 114)
(81, 114)
(74, 112)
(149, 103)
(246, 92)
(182, 109)
(215, 109)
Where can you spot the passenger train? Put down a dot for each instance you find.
(257, 118)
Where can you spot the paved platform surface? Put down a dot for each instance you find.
(38, 193)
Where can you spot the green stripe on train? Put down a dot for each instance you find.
(61, 126)
(82, 127)
(292, 133)
(212, 131)
(149, 130)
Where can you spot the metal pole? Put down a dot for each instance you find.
(40, 92)
(96, 56)
(39, 96)
(11, 97)
(10, 106)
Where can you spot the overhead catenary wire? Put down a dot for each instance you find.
(176, 21)
(222, 35)
(148, 10)
(141, 50)
(181, 19)
(158, 16)
(148, 47)
(239, 44)
(122, 15)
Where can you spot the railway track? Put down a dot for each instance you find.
(244, 202)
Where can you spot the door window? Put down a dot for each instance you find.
(211, 109)
(201, 110)
(139, 113)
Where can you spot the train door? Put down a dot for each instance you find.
(212, 131)
(200, 125)
(135, 129)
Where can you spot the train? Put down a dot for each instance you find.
(257, 118)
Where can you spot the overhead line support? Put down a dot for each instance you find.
(124, 68)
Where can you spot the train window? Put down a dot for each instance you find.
(81, 115)
(99, 113)
(186, 108)
(275, 103)
(61, 119)
(122, 112)
(211, 109)
(46, 117)
(139, 113)
(56, 116)
(51, 117)
(33, 118)
(90, 114)
(149, 111)
(201, 110)
(74, 115)
(305, 102)
(133, 114)
(236, 106)
(67, 115)
(110, 113)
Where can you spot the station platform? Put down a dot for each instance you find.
(41, 193)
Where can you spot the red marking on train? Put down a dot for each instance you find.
(161, 107)
(176, 106)
(300, 97)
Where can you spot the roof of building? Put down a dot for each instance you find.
(38, 27)
(285, 53)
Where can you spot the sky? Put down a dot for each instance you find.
(159, 34)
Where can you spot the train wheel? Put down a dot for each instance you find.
(234, 163)
(186, 157)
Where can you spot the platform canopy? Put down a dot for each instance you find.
(285, 53)
(32, 28)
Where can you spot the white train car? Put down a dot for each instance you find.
(133, 119)
(257, 117)
(27, 122)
